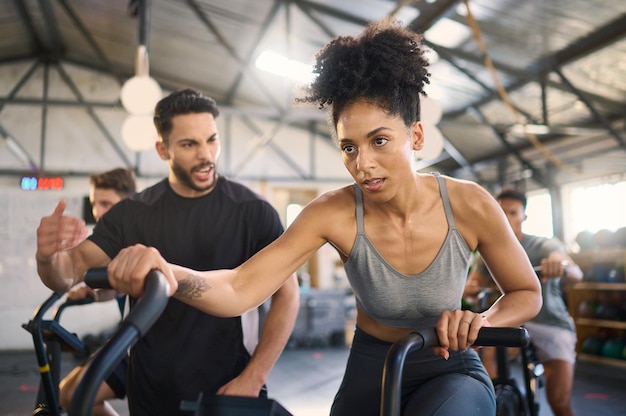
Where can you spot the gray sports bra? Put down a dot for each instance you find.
(408, 301)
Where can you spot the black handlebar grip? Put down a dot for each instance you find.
(96, 278)
(505, 337)
(487, 337)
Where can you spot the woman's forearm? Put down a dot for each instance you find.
(514, 308)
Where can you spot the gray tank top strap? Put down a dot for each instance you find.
(443, 191)
(359, 209)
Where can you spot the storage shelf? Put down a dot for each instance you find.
(601, 360)
(587, 290)
(604, 255)
(598, 286)
(604, 323)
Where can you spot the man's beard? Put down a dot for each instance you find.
(186, 178)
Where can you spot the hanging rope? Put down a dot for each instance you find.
(505, 96)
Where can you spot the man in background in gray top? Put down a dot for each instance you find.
(552, 331)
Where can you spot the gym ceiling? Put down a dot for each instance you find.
(532, 91)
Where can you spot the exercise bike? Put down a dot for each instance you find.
(51, 340)
(140, 319)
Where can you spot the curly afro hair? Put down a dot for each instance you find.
(384, 65)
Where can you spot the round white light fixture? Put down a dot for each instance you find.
(140, 94)
(433, 142)
(138, 132)
(430, 110)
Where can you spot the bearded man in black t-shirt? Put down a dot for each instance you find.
(195, 218)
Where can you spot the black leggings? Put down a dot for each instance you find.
(430, 384)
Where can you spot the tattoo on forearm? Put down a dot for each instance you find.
(192, 286)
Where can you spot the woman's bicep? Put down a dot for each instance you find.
(503, 254)
(509, 266)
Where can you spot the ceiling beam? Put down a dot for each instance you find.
(265, 139)
(536, 174)
(19, 84)
(318, 22)
(596, 114)
(18, 151)
(523, 77)
(232, 52)
(598, 39)
(57, 46)
(446, 56)
(430, 13)
(90, 111)
(605, 35)
(330, 11)
(56, 102)
(248, 60)
(35, 41)
(90, 40)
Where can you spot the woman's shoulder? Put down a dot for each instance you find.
(467, 193)
(474, 208)
(335, 197)
(331, 206)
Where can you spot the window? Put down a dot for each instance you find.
(595, 206)
(589, 206)
(598, 207)
(539, 213)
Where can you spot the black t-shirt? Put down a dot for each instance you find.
(188, 351)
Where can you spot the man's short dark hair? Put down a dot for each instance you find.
(122, 181)
(185, 101)
(513, 193)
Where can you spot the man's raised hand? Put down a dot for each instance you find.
(58, 232)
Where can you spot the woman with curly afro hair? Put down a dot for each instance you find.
(405, 238)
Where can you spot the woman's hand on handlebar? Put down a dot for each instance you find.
(457, 330)
(128, 270)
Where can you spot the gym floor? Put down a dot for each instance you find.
(304, 381)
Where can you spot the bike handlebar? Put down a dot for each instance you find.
(425, 338)
(97, 278)
(143, 315)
